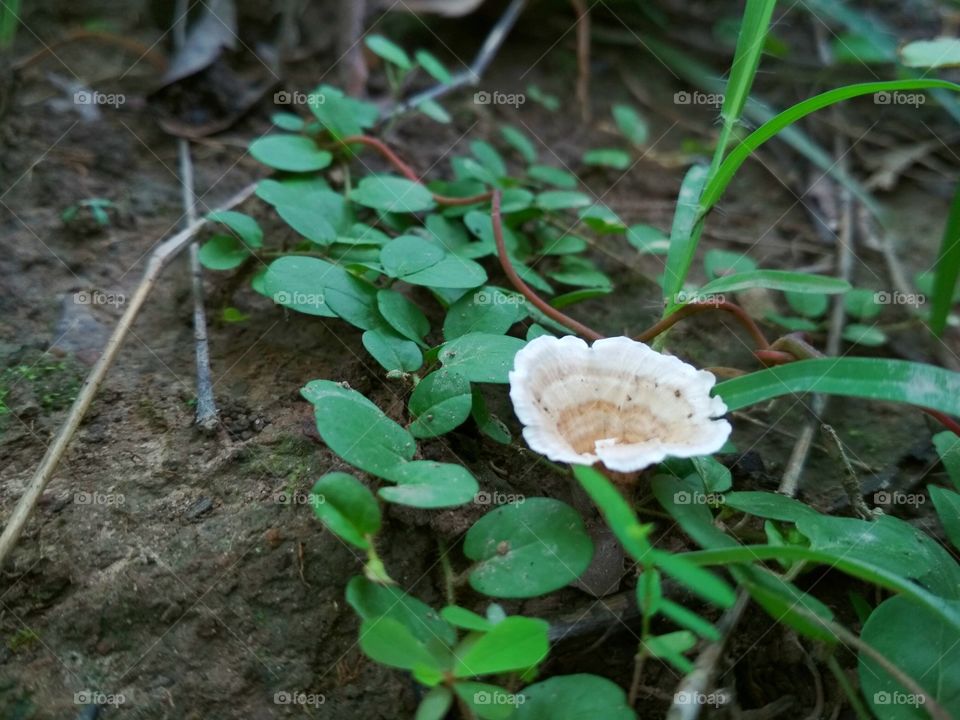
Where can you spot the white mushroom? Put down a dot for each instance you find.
(619, 402)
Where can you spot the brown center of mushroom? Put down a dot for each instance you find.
(584, 424)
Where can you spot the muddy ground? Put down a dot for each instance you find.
(168, 566)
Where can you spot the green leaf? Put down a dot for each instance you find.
(670, 647)
(486, 701)
(872, 378)
(408, 254)
(602, 219)
(223, 252)
(372, 600)
(922, 646)
(684, 234)
(553, 176)
(489, 158)
(577, 296)
(435, 704)
(514, 200)
(721, 263)
(768, 505)
(574, 697)
(728, 168)
(433, 66)
(488, 310)
(429, 484)
(392, 194)
(579, 272)
(787, 604)
(339, 114)
(519, 142)
(245, 227)
(402, 315)
(688, 619)
(466, 619)
(452, 271)
(705, 584)
(389, 51)
(346, 507)
(948, 448)
(440, 402)
(796, 284)
(316, 287)
(861, 304)
(293, 153)
(435, 111)
(631, 124)
(481, 357)
(357, 430)
(868, 335)
(937, 53)
(947, 504)
(390, 643)
(810, 306)
(516, 643)
(618, 515)
(562, 200)
(527, 549)
(648, 239)
(715, 475)
(294, 190)
(318, 219)
(607, 157)
(288, 121)
(947, 268)
(393, 352)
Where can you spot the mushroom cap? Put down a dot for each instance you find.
(618, 402)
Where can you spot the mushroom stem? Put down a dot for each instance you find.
(407, 171)
(523, 288)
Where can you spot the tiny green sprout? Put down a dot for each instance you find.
(90, 210)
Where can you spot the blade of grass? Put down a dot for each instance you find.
(684, 235)
(947, 269)
(9, 18)
(728, 168)
(925, 386)
(777, 280)
(746, 60)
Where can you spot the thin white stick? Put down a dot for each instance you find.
(155, 265)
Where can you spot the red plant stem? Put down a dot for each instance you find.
(697, 307)
(408, 172)
(520, 285)
(948, 422)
